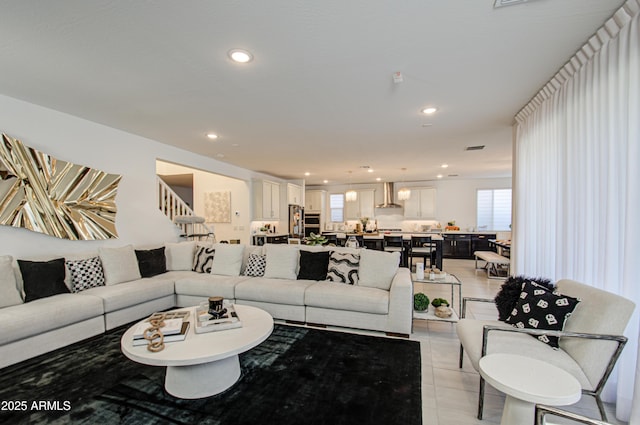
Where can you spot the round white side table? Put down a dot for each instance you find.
(527, 381)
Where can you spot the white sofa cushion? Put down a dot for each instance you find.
(228, 259)
(9, 294)
(277, 291)
(46, 314)
(347, 297)
(208, 285)
(282, 261)
(119, 264)
(180, 255)
(377, 268)
(127, 294)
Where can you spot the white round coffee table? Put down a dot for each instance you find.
(204, 364)
(527, 381)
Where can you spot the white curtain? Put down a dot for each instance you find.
(577, 181)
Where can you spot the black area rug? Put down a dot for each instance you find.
(297, 376)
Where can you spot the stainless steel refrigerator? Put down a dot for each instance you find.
(296, 221)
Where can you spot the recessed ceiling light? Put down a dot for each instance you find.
(439, 176)
(325, 181)
(369, 170)
(429, 110)
(212, 136)
(240, 55)
(378, 179)
(307, 173)
(445, 165)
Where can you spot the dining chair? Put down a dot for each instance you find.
(422, 247)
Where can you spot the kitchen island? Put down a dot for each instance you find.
(376, 241)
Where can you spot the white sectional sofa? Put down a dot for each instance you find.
(277, 278)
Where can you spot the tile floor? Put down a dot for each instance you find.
(450, 394)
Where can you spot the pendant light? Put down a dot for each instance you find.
(351, 195)
(404, 193)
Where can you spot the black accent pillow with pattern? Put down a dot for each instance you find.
(343, 267)
(540, 308)
(203, 259)
(85, 274)
(256, 265)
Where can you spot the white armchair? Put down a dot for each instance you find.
(590, 343)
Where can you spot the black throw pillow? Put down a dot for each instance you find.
(509, 293)
(539, 308)
(42, 278)
(151, 261)
(313, 265)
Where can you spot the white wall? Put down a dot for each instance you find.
(203, 182)
(69, 138)
(455, 200)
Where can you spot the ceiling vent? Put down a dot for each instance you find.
(388, 197)
(474, 148)
(503, 3)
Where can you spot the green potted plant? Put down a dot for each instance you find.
(314, 239)
(437, 302)
(420, 302)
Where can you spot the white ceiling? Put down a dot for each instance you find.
(319, 96)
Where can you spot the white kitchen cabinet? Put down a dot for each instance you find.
(421, 204)
(266, 200)
(294, 194)
(363, 206)
(314, 201)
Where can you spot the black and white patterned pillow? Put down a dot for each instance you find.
(203, 259)
(85, 274)
(343, 267)
(540, 308)
(256, 265)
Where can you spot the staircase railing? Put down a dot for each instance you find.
(172, 205)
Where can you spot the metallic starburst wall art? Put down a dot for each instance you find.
(44, 194)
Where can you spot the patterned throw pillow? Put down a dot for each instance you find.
(203, 259)
(539, 308)
(85, 274)
(343, 267)
(256, 265)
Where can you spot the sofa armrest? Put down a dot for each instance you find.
(401, 302)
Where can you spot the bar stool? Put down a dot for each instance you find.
(421, 247)
(393, 243)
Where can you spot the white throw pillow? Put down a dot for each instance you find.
(9, 294)
(377, 268)
(228, 259)
(180, 255)
(282, 261)
(119, 264)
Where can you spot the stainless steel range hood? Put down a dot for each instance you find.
(388, 192)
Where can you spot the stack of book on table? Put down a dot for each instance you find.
(207, 323)
(174, 329)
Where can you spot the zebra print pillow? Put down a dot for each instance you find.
(343, 268)
(203, 259)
